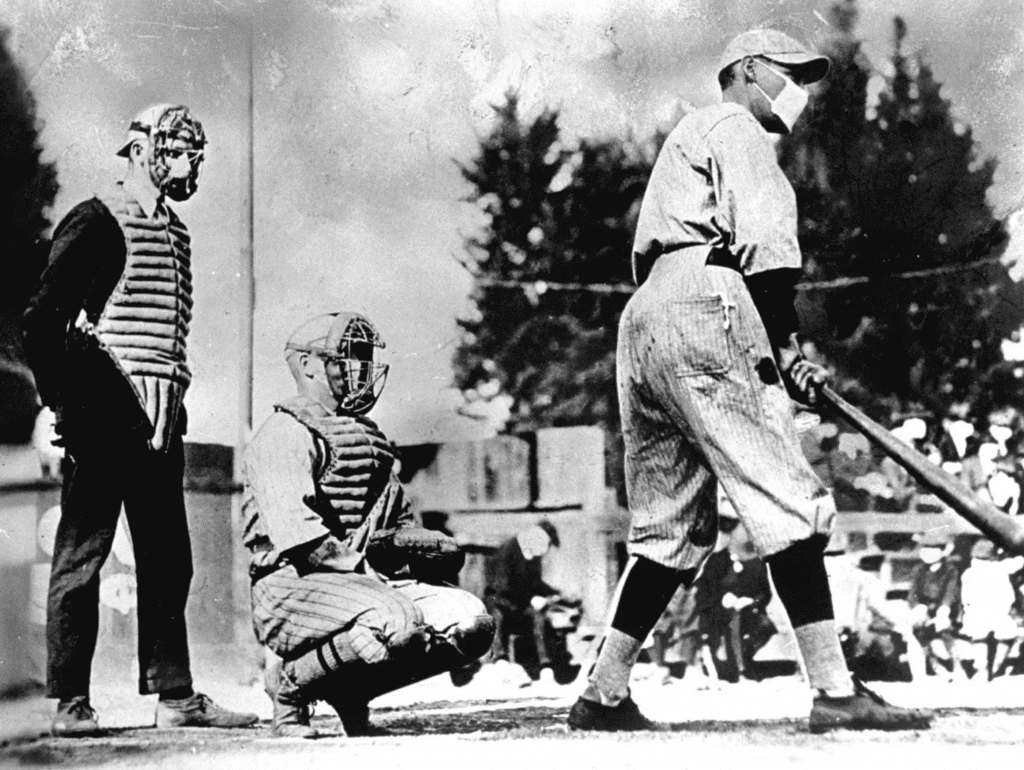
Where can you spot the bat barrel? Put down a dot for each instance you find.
(1004, 530)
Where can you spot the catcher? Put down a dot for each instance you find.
(345, 588)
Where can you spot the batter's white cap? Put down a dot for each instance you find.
(777, 47)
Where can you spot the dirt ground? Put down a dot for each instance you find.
(495, 734)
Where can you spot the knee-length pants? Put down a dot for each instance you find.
(702, 402)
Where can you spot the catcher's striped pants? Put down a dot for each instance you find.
(292, 614)
(702, 401)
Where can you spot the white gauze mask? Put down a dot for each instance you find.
(790, 102)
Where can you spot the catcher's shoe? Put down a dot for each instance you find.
(74, 717)
(864, 710)
(292, 711)
(471, 637)
(355, 718)
(589, 715)
(199, 710)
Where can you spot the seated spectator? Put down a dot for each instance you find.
(934, 600)
(746, 592)
(988, 598)
(526, 607)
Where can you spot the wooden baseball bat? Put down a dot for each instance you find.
(1002, 529)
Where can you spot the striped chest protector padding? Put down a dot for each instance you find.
(357, 467)
(146, 319)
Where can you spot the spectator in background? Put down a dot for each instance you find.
(852, 461)
(976, 466)
(519, 600)
(988, 597)
(953, 440)
(934, 600)
(746, 592)
(886, 646)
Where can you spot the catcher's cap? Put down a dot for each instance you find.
(143, 123)
(312, 335)
(325, 333)
(933, 538)
(778, 47)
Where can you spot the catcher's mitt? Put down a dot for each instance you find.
(423, 554)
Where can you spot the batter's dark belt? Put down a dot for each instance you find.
(719, 257)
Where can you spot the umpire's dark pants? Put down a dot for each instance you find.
(106, 470)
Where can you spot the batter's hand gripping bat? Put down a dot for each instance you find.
(1002, 529)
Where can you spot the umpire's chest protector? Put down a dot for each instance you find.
(355, 465)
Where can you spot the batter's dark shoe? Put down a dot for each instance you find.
(199, 710)
(864, 710)
(588, 715)
(74, 717)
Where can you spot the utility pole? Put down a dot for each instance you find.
(246, 281)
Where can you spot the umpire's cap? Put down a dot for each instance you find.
(777, 47)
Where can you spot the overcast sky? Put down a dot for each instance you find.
(362, 106)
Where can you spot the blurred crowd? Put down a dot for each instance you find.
(960, 616)
(986, 454)
(910, 606)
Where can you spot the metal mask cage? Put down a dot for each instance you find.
(178, 124)
(357, 356)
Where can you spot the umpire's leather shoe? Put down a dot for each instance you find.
(74, 717)
(588, 715)
(199, 710)
(864, 710)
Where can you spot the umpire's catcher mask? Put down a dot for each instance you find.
(351, 355)
(176, 144)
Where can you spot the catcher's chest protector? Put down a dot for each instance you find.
(358, 465)
(146, 319)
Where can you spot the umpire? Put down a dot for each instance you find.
(707, 362)
(106, 335)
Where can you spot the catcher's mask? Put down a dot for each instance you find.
(176, 144)
(351, 357)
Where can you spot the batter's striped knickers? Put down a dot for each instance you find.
(702, 401)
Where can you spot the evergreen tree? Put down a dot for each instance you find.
(893, 189)
(555, 215)
(27, 188)
(883, 190)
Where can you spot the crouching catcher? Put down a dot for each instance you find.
(346, 589)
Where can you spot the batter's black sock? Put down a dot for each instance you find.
(644, 591)
(801, 582)
(177, 693)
